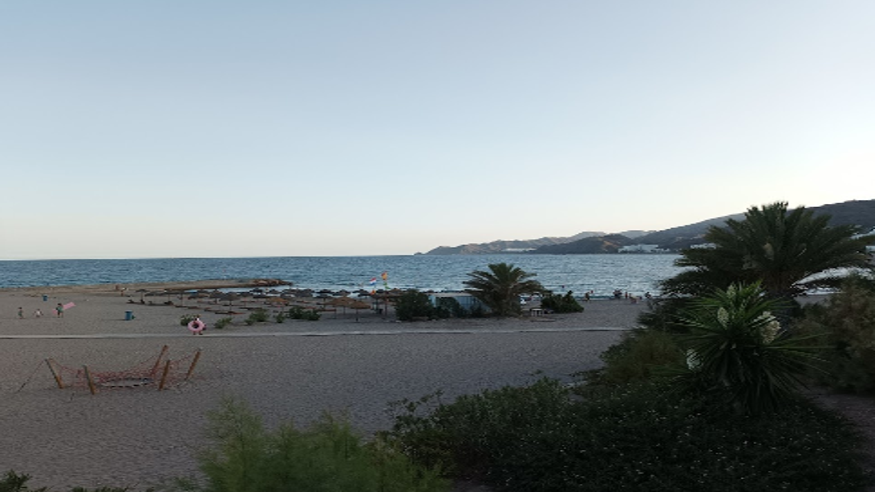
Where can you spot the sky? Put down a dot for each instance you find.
(263, 128)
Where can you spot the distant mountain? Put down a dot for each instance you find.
(501, 246)
(684, 236)
(860, 213)
(610, 243)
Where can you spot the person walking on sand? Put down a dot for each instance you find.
(38, 313)
(20, 313)
(59, 310)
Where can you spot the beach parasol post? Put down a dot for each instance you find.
(91, 386)
(164, 375)
(55, 373)
(158, 361)
(197, 355)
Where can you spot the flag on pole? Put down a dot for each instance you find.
(385, 277)
(373, 284)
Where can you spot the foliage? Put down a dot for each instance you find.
(412, 305)
(297, 312)
(185, 319)
(664, 314)
(500, 287)
(280, 317)
(630, 438)
(223, 322)
(560, 303)
(448, 307)
(782, 249)
(13, 482)
(259, 315)
(845, 328)
(327, 456)
(738, 350)
(478, 433)
(640, 355)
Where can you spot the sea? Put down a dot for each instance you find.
(602, 274)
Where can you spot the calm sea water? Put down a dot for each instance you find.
(580, 273)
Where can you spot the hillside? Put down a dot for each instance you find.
(860, 213)
(502, 246)
(610, 243)
(523, 245)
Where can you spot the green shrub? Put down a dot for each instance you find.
(640, 355)
(738, 350)
(260, 315)
(327, 456)
(185, 319)
(223, 322)
(560, 303)
(448, 307)
(665, 314)
(630, 438)
(13, 482)
(845, 331)
(280, 317)
(477, 433)
(412, 305)
(297, 312)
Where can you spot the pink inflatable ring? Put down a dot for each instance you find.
(196, 326)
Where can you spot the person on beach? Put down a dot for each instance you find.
(20, 313)
(59, 310)
(38, 313)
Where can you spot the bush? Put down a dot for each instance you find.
(448, 307)
(665, 314)
(280, 317)
(738, 350)
(561, 304)
(640, 355)
(630, 438)
(260, 315)
(297, 312)
(13, 482)
(412, 305)
(845, 331)
(327, 456)
(185, 319)
(223, 322)
(478, 433)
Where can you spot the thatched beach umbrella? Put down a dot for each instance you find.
(230, 297)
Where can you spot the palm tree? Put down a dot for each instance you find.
(500, 288)
(788, 252)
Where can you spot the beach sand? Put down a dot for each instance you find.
(291, 371)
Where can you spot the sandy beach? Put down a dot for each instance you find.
(352, 362)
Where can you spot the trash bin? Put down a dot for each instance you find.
(129, 315)
(45, 297)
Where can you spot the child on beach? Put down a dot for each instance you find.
(38, 313)
(59, 310)
(20, 313)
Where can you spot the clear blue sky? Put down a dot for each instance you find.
(215, 128)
